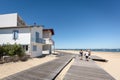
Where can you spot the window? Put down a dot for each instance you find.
(34, 48)
(25, 47)
(15, 34)
(37, 36)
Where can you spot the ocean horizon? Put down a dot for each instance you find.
(101, 50)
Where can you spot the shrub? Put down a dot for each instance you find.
(7, 49)
(18, 50)
(13, 53)
(12, 50)
(1, 51)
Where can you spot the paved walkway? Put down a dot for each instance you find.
(47, 71)
(86, 70)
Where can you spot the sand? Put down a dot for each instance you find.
(12, 68)
(113, 64)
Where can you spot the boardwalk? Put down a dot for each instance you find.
(79, 70)
(47, 71)
(86, 70)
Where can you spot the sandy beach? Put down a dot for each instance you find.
(12, 68)
(113, 64)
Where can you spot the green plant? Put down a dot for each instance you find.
(12, 50)
(8, 50)
(18, 50)
(1, 51)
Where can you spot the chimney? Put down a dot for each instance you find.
(34, 24)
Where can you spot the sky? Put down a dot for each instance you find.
(76, 23)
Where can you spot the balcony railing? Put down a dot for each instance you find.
(38, 40)
(48, 41)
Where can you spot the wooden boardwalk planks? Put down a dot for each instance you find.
(86, 70)
(45, 71)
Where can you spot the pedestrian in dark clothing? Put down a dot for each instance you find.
(81, 54)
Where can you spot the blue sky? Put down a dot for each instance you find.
(77, 23)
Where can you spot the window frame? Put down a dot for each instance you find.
(15, 34)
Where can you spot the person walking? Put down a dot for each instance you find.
(87, 55)
(89, 51)
(81, 54)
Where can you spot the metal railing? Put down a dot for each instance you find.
(38, 40)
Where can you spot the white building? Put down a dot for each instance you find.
(30, 37)
(11, 20)
(47, 35)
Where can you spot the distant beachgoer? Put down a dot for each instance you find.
(81, 54)
(87, 55)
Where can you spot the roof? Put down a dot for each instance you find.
(51, 30)
(15, 27)
(19, 27)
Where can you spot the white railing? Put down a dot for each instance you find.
(48, 41)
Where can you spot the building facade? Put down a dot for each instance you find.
(11, 20)
(47, 36)
(29, 37)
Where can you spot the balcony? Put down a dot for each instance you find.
(38, 40)
(48, 41)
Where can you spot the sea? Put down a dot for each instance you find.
(97, 50)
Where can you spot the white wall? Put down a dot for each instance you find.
(33, 43)
(37, 29)
(33, 32)
(8, 20)
(38, 52)
(6, 36)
